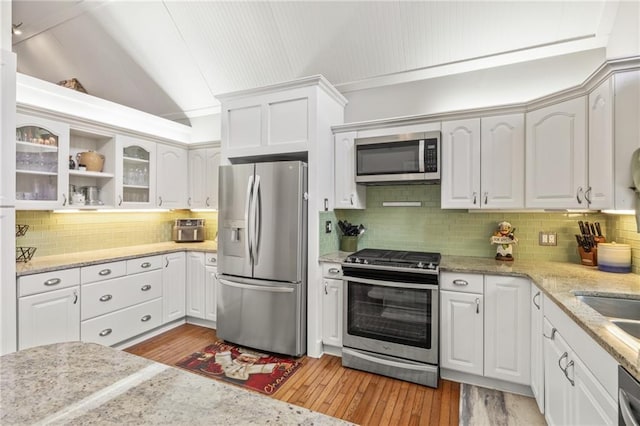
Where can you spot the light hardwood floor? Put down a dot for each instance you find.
(324, 385)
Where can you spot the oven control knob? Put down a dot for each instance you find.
(421, 265)
(431, 266)
(365, 261)
(357, 260)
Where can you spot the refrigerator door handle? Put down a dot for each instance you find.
(267, 289)
(247, 220)
(257, 219)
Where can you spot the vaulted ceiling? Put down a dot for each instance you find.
(171, 58)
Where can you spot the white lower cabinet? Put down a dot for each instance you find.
(485, 326)
(211, 286)
(173, 287)
(332, 304)
(50, 317)
(537, 348)
(195, 284)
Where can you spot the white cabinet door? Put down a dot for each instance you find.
(332, 312)
(213, 157)
(599, 194)
(556, 156)
(461, 343)
(50, 317)
(195, 284)
(172, 177)
(507, 320)
(242, 123)
(173, 286)
(537, 352)
(460, 178)
(197, 178)
(502, 162)
(210, 293)
(558, 393)
(135, 173)
(42, 165)
(348, 195)
(592, 405)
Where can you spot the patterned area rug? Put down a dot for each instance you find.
(241, 366)
(481, 406)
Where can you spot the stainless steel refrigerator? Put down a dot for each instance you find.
(262, 256)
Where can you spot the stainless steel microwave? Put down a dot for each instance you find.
(408, 158)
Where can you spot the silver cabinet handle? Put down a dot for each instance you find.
(105, 332)
(146, 265)
(537, 305)
(486, 198)
(106, 298)
(325, 288)
(145, 318)
(334, 270)
(159, 201)
(166, 265)
(553, 334)
(579, 195)
(563, 356)
(105, 272)
(145, 287)
(351, 199)
(64, 198)
(119, 200)
(477, 305)
(206, 202)
(586, 195)
(75, 297)
(212, 260)
(53, 281)
(475, 198)
(189, 201)
(566, 373)
(460, 282)
(625, 409)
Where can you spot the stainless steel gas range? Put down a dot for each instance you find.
(391, 314)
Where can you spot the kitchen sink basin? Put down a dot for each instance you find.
(614, 307)
(630, 327)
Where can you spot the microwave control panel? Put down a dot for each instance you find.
(431, 155)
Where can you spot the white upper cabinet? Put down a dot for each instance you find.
(348, 195)
(556, 156)
(599, 193)
(203, 178)
(460, 177)
(135, 173)
(172, 177)
(502, 162)
(42, 162)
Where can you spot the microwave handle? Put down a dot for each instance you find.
(421, 167)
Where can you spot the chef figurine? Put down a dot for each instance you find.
(504, 239)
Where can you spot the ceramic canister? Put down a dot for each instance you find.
(613, 257)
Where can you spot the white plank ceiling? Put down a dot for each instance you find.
(170, 58)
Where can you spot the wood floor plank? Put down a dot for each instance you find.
(323, 385)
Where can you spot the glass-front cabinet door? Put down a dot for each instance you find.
(42, 148)
(135, 173)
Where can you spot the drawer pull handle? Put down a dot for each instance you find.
(145, 265)
(105, 332)
(212, 260)
(53, 281)
(534, 301)
(75, 297)
(145, 318)
(477, 305)
(106, 298)
(104, 272)
(334, 270)
(553, 334)
(145, 287)
(460, 282)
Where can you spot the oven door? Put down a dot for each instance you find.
(390, 318)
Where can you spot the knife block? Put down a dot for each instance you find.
(589, 258)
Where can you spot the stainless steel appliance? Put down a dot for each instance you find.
(262, 256)
(628, 399)
(188, 230)
(390, 323)
(409, 158)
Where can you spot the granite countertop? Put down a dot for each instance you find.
(561, 282)
(87, 383)
(86, 258)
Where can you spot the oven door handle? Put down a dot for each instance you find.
(383, 361)
(421, 156)
(392, 284)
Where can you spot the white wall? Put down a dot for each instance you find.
(5, 25)
(624, 39)
(501, 85)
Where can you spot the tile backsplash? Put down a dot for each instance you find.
(459, 232)
(60, 233)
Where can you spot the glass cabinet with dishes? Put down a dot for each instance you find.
(135, 173)
(42, 148)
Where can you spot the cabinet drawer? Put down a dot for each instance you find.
(103, 271)
(47, 281)
(331, 270)
(108, 296)
(468, 283)
(211, 259)
(123, 324)
(144, 264)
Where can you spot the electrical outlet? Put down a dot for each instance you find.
(553, 238)
(547, 238)
(327, 227)
(543, 239)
